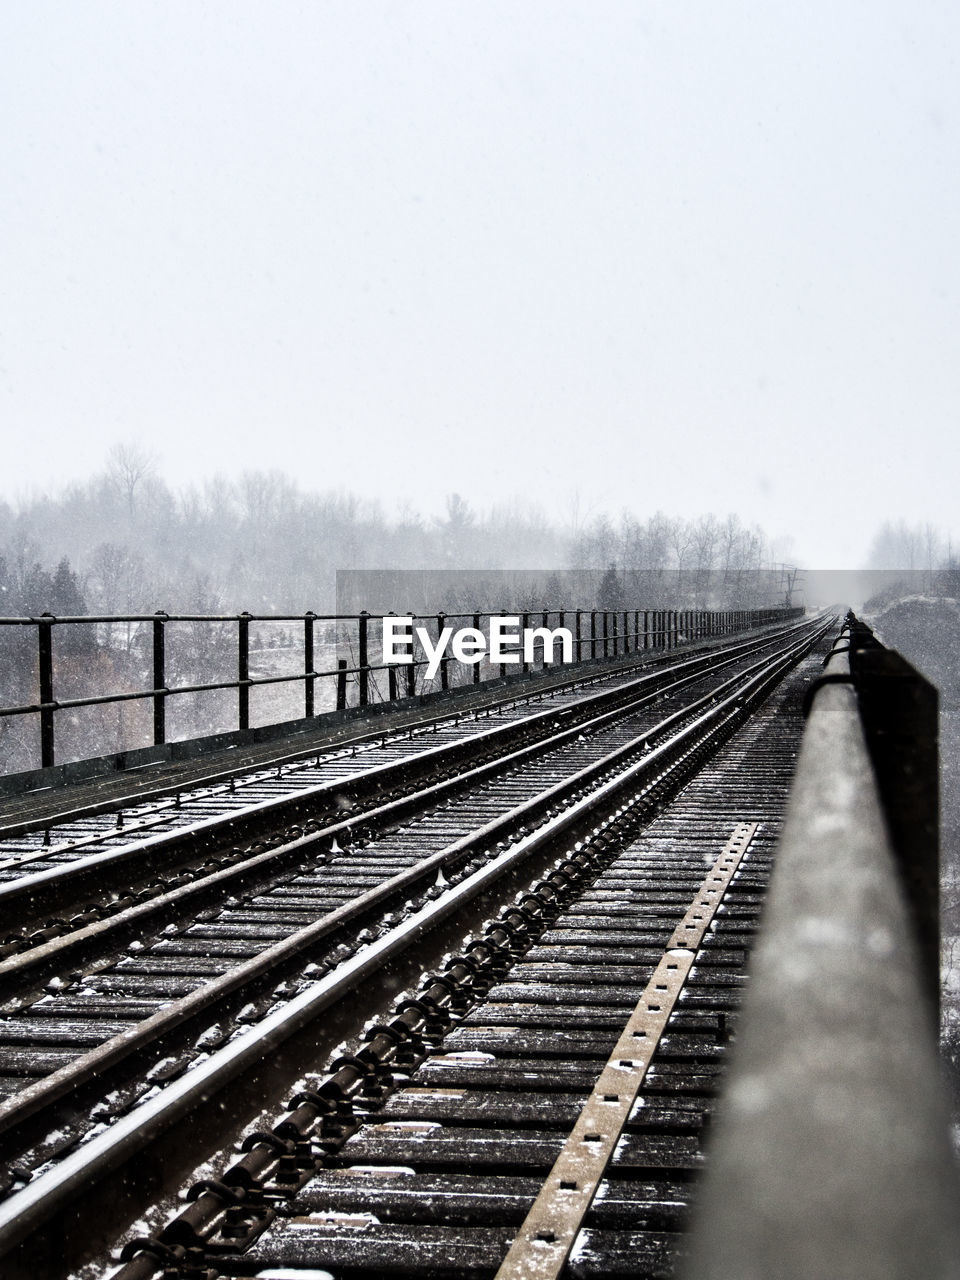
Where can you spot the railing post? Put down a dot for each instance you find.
(606, 634)
(411, 667)
(341, 684)
(159, 680)
(310, 678)
(243, 669)
(392, 674)
(45, 669)
(444, 673)
(363, 661)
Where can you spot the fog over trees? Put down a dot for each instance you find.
(124, 541)
(898, 545)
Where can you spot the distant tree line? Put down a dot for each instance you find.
(926, 556)
(899, 545)
(27, 588)
(126, 542)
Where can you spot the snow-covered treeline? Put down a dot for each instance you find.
(125, 541)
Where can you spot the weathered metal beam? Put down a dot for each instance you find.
(831, 1155)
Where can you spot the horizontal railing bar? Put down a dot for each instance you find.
(63, 704)
(105, 618)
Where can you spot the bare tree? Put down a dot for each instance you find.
(705, 535)
(897, 546)
(681, 544)
(128, 467)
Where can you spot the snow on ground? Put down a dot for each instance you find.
(926, 631)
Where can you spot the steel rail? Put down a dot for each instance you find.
(318, 1137)
(26, 1102)
(54, 955)
(486, 693)
(42, 891)
(489, 694)
(542, 1245)
(28, 1208)
(319, 1120)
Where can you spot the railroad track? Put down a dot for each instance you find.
(45, 845)
(143, 1031)
(58, 892)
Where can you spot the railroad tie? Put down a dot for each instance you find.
(542, 1245)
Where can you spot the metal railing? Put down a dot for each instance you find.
(65, 651)
(831, 1153)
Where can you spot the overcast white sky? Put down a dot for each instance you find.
(695, 256)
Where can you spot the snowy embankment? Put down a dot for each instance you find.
(926, 631)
